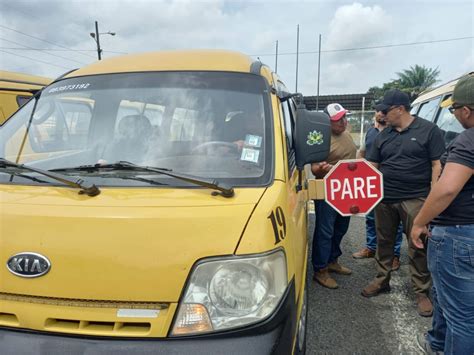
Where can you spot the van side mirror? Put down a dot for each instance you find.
(312, 137)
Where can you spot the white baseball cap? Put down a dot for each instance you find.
(335, 111)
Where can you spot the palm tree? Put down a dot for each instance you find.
(417, 79)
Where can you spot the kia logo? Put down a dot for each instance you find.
(28, 264)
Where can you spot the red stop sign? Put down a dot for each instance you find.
(353, 187)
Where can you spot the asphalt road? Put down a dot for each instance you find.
(342, 321)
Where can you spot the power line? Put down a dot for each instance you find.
(60, 50)
(36, 60)
(49, 49)
(365, 48)
(55, 55)
(43, 40)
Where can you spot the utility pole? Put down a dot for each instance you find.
(297, 54)
(95, 36)
(99, 51)
(319, 67)
(276, 57)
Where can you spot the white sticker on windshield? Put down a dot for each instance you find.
(249, 154)
(253, 141)
(69, 87)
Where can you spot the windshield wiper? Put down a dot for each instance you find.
(225, 190)
(87, 189)
(120, 165)
(14, 173)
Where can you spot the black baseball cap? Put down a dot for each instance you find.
(393, 97)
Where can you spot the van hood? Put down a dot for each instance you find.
(123, 245)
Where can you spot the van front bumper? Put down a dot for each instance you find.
(272, 336)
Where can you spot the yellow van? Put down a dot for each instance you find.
(162, 209)
(16, 89)
(427, 106)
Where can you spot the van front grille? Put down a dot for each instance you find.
(8, 319)
(107, 328)
(68, 302)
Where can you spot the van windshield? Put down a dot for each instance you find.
(206, 124)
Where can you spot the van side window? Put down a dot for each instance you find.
(449, 125)
(428, 109)
(414, 109)
(21, 100)
(60, 126)
(288, 109)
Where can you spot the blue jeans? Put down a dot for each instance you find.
(328, 232)
(372, 236)
(451, 262)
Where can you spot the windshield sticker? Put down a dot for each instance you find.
(253, 141)
(249, 154)
(315, 137)
(69, 87)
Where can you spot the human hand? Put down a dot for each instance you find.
(323, 166)
(240, 144)
(320, 169)
(417, 231)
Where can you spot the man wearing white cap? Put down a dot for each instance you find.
(330, 225)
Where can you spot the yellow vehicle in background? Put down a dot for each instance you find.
(16, 89)
(157, 203)
(428, 106)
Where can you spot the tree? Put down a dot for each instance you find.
(412, 81)
(417, 79)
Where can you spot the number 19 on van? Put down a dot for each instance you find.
(277, 218)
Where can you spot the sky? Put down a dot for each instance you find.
(49, 37)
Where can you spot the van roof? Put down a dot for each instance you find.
(13, 78)
(203, 60)
(437, 91)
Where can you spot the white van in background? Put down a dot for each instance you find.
(427, 106)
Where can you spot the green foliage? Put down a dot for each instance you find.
(413, 81)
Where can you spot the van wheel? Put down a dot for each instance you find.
(300, 347)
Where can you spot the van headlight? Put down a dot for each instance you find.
(231, 292)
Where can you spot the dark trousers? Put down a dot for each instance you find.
(329, 229)
(372, 236)
(387, 219)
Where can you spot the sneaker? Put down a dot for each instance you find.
(424, 305)
(424, 345)
(396, 263)
(322, 277)
(339, 269)
(364, 253)
(374, 289)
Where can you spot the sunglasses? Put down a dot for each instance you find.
(387, 110)
(454, 107)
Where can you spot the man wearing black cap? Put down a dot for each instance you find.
(371, 238)
(407, 153)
